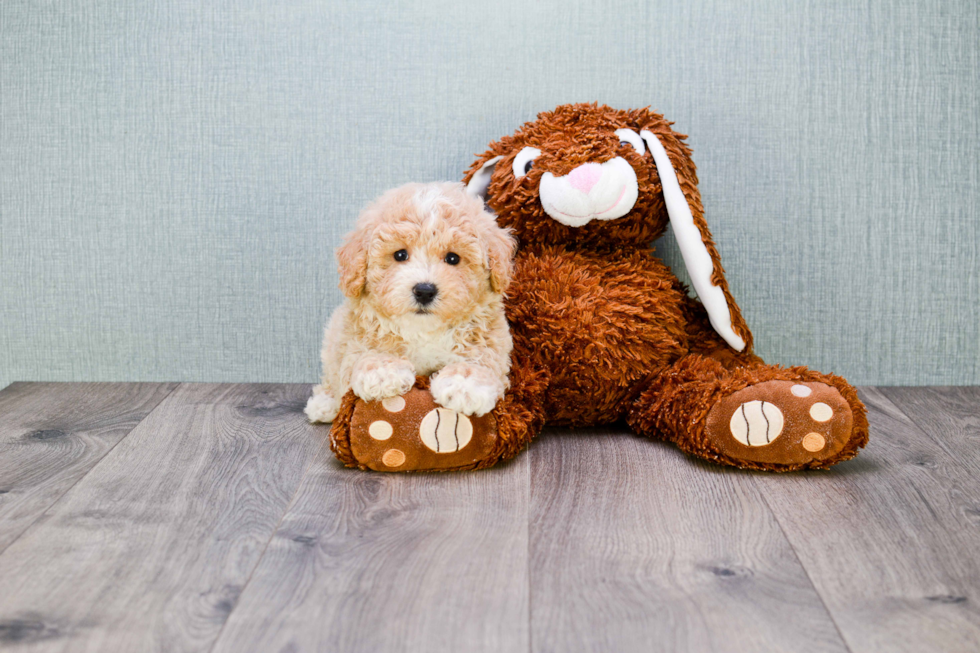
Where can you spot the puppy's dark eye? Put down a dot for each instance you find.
(401, 255)
(452, 258)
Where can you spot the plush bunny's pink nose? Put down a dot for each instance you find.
(585, 176)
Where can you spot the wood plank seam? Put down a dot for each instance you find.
(88, 471)
(923, 428)
(156, 546)
(272, 535)
(662, 552)
(806, 571)
(929, 584)
(391, 562)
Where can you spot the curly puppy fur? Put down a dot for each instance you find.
(424, 273)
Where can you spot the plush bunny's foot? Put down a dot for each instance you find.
(784, 423)
(412, 433)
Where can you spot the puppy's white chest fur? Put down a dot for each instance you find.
(428, 349)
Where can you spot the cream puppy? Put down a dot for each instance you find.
(424, 273)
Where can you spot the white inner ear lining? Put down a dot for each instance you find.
(481, 178)
(693, 250)
(632, 138)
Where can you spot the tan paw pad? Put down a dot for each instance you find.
(445, 431)
(756, 423)
(393, 458)
(380, 430)
(821, 412)
(394, 404)
(801, 390)
(813, 442)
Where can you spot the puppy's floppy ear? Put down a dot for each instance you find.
(679, 180)
(501, 247)
(352, 260)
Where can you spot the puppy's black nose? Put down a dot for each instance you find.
(425, 293)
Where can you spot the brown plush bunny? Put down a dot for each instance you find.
(603, 330)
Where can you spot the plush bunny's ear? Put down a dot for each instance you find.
(698, 250)
(480, 180)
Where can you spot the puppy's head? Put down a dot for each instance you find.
(426, 251)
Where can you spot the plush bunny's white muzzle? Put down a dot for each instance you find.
(592, 191)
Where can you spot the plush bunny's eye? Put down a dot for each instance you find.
(630, 137)
(401, 255)
(524, 161)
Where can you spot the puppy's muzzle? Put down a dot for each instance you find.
(425, 293)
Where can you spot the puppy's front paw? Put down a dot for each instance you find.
(321, 407)
(380, 379)
(464, 394)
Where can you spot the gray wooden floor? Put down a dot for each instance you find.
(187, 517)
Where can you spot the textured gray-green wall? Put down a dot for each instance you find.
(174, 176)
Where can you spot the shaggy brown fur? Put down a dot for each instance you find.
(604, 331)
